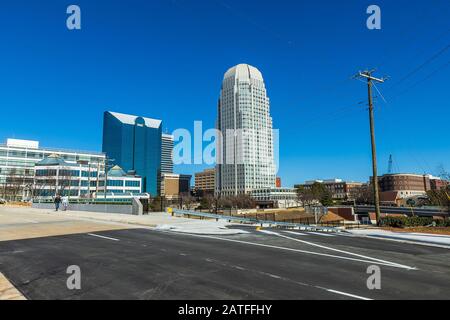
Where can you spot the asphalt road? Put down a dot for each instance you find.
(150, 264)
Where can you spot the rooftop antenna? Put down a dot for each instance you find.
(390, 166)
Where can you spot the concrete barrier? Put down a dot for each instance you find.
(103, 208)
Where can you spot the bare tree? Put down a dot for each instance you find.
(305, 196)
(186, 200)
(363, 194)
(242, 201)
(16, 180)
(207, 202)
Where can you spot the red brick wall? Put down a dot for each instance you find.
(345, 213)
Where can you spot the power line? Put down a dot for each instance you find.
(421, 66)
(411, 34)
(423, 79)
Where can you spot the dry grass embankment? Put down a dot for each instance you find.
(432, 230)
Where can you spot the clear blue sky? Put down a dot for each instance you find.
(165, 59)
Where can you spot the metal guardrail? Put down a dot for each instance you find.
(255, 221)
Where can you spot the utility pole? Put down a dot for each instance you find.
(368, 75)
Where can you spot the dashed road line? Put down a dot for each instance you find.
(321, 234)
(297, 233)
(103, 237)
(347, 294)
(293, 281)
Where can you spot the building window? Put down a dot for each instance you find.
(132, 184)
(115, 183)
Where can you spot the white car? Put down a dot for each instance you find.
(2, 201)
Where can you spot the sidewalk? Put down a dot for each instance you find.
(157, 220)
(8, 291)
(420, 238)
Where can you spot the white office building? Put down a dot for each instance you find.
(245, 153)
(276, 198)
(17, 165)
(55, 176)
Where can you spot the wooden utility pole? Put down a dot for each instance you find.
(368, 75)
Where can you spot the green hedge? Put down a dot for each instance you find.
(402, 222)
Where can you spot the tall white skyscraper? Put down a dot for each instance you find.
(245, 154)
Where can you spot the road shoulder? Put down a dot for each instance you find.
(8, 291)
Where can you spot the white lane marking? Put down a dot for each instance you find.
(321, 234)
(292, 281)
(272, 275)
(239, 267)
(341, 251)
(99, 236)
(297, 233)
(291, 249)
(347, 294)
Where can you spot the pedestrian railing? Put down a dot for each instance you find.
(253, 221)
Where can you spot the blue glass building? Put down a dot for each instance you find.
(134, 143)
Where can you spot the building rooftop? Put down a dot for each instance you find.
(116, 171)
(52, 160)
(243, 72)
(29, 144)
(131, 119)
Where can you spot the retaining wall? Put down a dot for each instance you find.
(104, 208)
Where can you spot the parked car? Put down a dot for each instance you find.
(2, 201)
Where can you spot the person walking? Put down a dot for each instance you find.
(65, 202)
(57, 201)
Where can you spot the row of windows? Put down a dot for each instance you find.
(46, 172)
(132, 184)
(115, 183)
(16, 163)
(42, 155)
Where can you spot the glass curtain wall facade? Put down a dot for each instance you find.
(134, 143)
